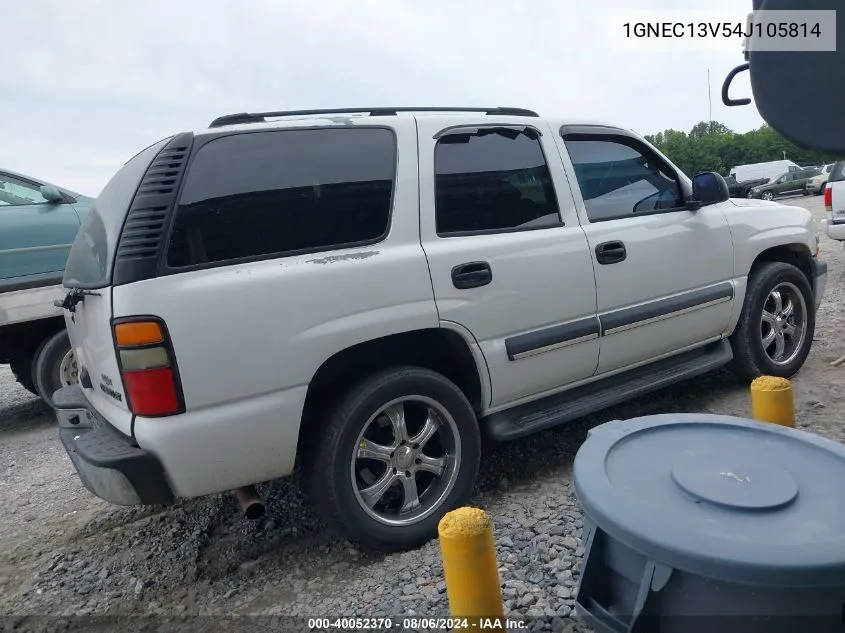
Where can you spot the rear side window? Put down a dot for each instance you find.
(493, 180)
(261, 194)
(90, 262)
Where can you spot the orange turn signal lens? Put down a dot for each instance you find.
(138, 333)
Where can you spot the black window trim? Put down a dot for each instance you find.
(473, 128)
(201, 142)
(463, 129)
(623, 137)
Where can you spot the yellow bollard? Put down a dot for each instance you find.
(772, 400)
(469, 566)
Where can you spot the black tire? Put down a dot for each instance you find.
(329, 469)
(22, 369)
(47, 364)
(750, 359)
(767, 193)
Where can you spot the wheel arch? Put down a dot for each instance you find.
(445, 350)
(796, 254)
(20, 340)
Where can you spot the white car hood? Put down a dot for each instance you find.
(753, 202)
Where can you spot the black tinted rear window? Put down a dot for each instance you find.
(261, 194)
(90, 262)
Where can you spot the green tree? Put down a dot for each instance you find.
(712, 146)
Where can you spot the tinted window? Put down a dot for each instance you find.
(837, 171)
(492, 180)
(89, 263)
(265, 193)
(620, 180)
(14, 191)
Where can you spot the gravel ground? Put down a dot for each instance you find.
(67, 553)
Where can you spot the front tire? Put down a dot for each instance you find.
(54, 366)
(768, 195)
(396, 453)
(777, 323)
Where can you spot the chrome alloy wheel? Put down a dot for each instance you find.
(406, 460)
(783, 324)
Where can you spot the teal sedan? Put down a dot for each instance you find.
(38, 222)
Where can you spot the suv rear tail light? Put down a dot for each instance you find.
(828, 199)
(147, 367)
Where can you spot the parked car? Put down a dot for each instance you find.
(834, 202)
(38, 223)
(816, 184)
(370, 291)
(768, 170)
(790, 183)
(740, 189)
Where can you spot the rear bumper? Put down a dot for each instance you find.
(819, 269)
(835, 231)
(111, 465)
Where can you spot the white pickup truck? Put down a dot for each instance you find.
(834, 202)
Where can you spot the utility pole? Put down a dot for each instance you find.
(709, 104)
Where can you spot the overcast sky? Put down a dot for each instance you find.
(89, 83)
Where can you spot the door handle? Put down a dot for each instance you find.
(610, 252)
(471, 275)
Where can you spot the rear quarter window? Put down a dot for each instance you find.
(837, 172)
(258, 195)
(89, 264)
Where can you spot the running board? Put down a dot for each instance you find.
(575, 403)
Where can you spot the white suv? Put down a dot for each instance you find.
(369, 291)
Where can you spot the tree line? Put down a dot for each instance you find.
(712, 146)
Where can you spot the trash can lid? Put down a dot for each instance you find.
(719, 496)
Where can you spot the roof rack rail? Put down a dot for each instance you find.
(261, 117)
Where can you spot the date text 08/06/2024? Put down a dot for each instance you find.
(722, 29)
(414, 624)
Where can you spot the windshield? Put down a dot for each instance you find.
(90, 262)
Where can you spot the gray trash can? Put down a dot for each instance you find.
(711, 523)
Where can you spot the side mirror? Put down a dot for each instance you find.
(51, 194)
(709, 188)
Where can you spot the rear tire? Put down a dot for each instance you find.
(54, 366)
(22, 369)
(755, 339)
(371, 480)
